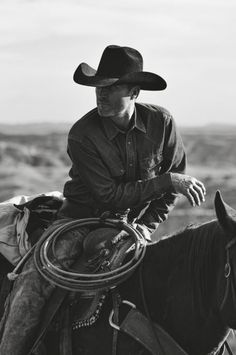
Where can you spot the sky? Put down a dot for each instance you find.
(191, 43)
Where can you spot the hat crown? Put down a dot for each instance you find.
(119, 65)
(118, 61)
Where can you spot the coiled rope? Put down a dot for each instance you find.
(71, 280)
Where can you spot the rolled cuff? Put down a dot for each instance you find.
(162, 184)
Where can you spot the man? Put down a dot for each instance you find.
(127, 158)
(128, 161)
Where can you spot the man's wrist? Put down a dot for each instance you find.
(162, 183)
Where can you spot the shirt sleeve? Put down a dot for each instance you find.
(174, 160)
(109, 193)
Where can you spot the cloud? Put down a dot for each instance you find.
(191, 43)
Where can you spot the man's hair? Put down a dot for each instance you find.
(131, 86)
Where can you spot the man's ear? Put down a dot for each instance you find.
(135, 92)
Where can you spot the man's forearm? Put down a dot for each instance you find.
(158, 211)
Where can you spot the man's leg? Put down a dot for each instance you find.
(30, 294)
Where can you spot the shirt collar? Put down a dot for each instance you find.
(112, 130)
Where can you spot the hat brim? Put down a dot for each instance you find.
(86, 75)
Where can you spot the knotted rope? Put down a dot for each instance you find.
(69, 279)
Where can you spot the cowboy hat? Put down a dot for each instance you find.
(119, 65)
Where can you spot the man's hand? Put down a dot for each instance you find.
(190, 187)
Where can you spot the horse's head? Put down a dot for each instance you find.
(226, 216)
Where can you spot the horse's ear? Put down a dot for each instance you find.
(225, 214)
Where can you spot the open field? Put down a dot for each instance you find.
(34, 163)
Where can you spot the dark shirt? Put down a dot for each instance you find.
(115, 170)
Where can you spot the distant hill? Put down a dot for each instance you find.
(35, 128)
(210, 129)
(60, 127)
(33, 159)
(45, 145)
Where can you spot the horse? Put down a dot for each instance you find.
(186, 284)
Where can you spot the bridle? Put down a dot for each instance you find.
(230, 282)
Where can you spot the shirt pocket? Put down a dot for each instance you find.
(117, 170)
(151, 166)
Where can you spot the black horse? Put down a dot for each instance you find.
(187, 282)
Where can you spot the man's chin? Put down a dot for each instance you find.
(104, 112)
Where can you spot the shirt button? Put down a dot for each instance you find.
(129, 142)
(130, 164)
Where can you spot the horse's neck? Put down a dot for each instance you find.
(198, 245)
(198, 253)
(188, 265)
(192, 261)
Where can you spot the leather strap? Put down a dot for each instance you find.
(52, 307)
(228, 348)
(65, 345)
(138, 327)
(116, 303)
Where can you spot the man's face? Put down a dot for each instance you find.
(113, 100)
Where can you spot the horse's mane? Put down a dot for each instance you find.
(199, 246)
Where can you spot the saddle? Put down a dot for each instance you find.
(104, 249)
